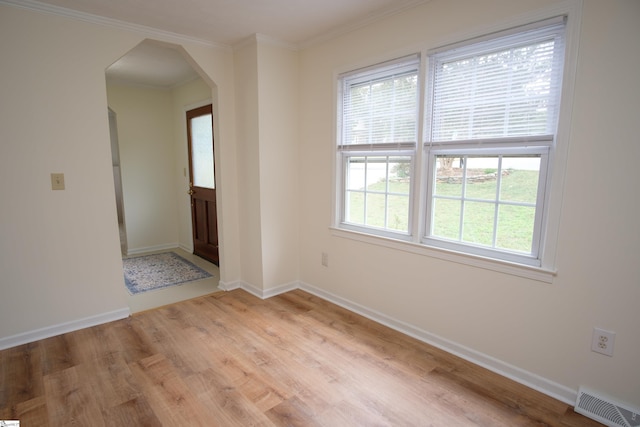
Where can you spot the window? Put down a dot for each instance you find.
(377, 146)
(493, 111)
(490, 120)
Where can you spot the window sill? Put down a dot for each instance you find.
(529, 272)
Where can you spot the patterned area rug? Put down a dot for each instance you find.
(151, 272)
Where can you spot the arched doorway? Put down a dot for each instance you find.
(150, 89)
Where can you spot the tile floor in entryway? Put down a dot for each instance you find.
(158, 298)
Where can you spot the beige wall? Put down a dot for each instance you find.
(542, 329)
(59, 250)
(278, 121)
(267, 94)
(248, 166)
(147, 155)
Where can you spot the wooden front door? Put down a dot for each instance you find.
(202, 183)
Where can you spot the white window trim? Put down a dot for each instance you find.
(548, 269)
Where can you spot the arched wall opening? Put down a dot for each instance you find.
(149, 89)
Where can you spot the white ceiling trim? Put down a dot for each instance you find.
(155, 33)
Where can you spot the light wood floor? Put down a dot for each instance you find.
(231, 359)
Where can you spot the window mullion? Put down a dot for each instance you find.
(463, 200)
(418, 194)
(496, 207)
(365, 192)
(386, 194)
(346, 204)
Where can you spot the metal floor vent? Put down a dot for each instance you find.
(605, 410)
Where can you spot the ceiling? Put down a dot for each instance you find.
(297, 23)
(228, 22)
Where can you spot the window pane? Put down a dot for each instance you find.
(478, 223)
(482, 177)
(202, 151)
(355, 173)
(376, 212)
(399, 175)
(354, 209)
(515, 228)
(398, 213)
(446, 218)
(520, 179)
(376, 173)
(448, 176)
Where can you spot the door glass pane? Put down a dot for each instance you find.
(202, 151)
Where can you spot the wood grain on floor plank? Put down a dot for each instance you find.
(231, 359)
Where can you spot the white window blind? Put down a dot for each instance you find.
(380, 106)
(509, 89)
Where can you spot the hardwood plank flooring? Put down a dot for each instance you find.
(230, 359)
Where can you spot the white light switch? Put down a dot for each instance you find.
(57, 181)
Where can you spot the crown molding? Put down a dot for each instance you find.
(109, 22)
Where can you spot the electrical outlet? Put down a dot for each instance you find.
(325, 259)
(602, 341)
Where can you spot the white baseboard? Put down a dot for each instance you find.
(63, 328)
(229, 286)
(536, 382)
(163, 247)
(257, 292)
